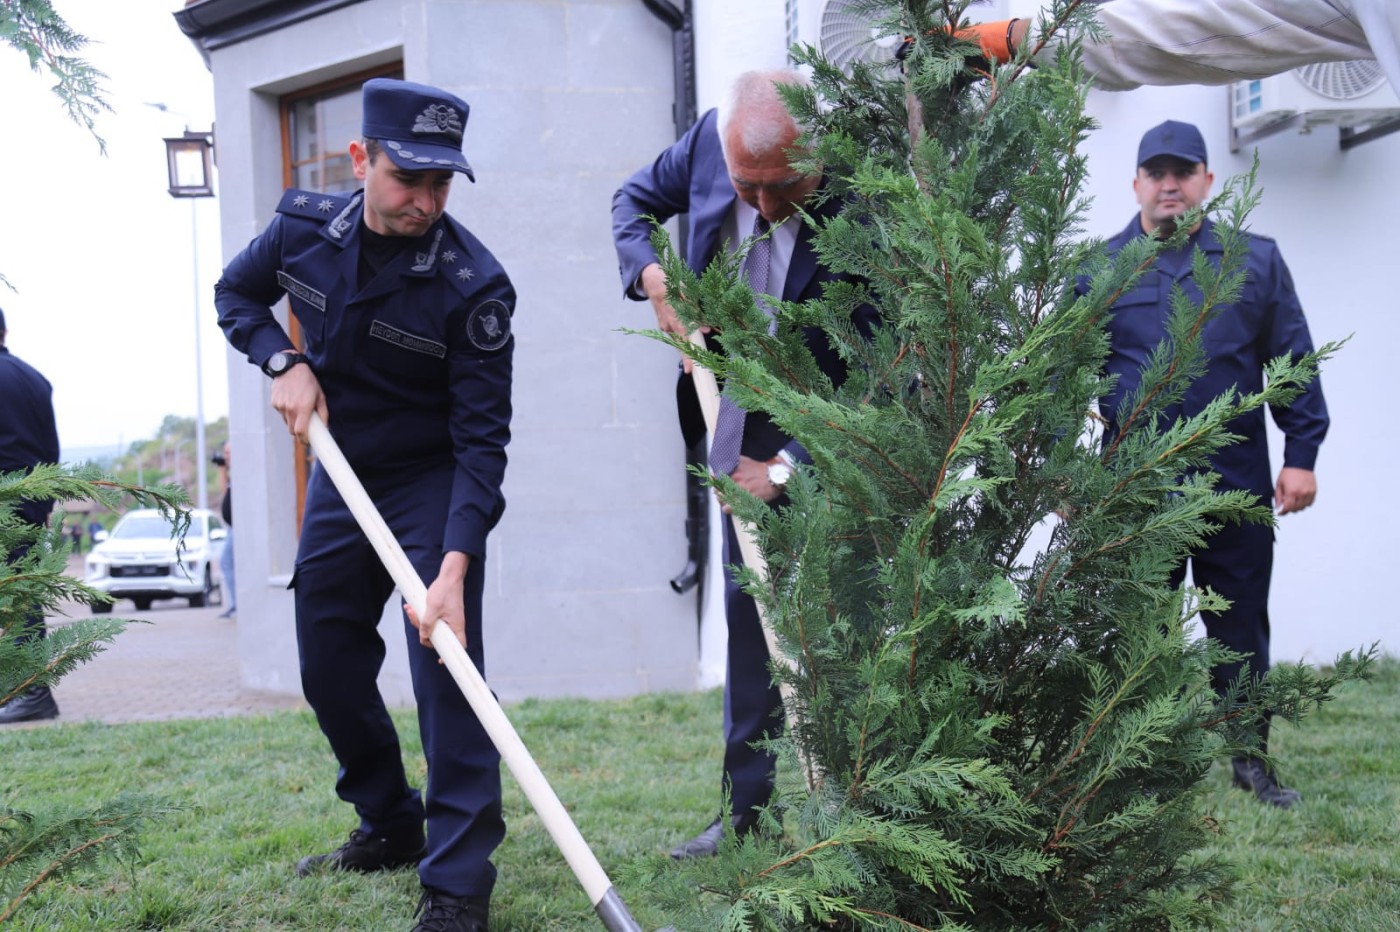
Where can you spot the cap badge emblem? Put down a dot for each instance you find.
(439, 118)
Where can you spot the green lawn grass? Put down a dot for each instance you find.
(638, 775)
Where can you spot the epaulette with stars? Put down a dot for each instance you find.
(461, 256)
(311, 204)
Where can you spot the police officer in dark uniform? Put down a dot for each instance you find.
(407, 323)
(28, 437)
(1264, 323)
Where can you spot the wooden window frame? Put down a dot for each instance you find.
(301, 454)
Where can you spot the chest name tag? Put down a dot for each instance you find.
(382, 331)
(308, 294)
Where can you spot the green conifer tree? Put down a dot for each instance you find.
(38, 847)
(999, 737)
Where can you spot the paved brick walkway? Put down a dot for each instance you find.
(183, 664)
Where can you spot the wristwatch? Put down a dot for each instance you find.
(281, 363)
(780, 472)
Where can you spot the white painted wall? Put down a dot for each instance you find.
(568, 98)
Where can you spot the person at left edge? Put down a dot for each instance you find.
(28, 437)
(408, 347)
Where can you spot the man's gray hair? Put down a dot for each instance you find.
(764, 122)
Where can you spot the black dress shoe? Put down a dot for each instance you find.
(1251, 774)
(706, 844)
(438, 912)
(31, 705)
(365, 853)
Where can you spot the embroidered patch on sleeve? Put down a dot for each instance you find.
(382, 331)
(488, 325)
(301, 290)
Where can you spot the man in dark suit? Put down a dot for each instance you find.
(732, 175)
(28, 437)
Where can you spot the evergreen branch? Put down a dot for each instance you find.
(75, 853)
(34, 28)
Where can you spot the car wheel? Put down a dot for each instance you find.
(101, 608)
(201, 600)
(142, 604)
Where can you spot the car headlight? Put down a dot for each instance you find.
(96, 566)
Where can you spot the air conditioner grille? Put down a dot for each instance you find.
(849, 35)
(1341, 80)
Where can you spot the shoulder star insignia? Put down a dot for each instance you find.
(300, 200)
(449, 257)
(465, 274)
(325, 205)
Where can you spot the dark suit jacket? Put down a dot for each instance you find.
(691, 178)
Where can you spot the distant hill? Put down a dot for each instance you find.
(102, 456)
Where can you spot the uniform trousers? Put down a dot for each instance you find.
(1237, 563)
(341, 588)
(753, 704)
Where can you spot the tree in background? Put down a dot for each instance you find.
(987, 734)
(40, 847)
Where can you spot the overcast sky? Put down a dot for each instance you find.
(102, 256)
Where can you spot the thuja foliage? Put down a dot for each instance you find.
(998, 735)
(43, 847)
(34, 28)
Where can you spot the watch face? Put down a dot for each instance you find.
(278, 363)
(779, 474)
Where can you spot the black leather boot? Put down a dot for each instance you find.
(438, 912)
(365, 853)
(32, 705)
(1251, 773)
(706, 844)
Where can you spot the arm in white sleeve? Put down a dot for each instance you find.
(1220, 41)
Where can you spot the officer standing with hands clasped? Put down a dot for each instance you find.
(407, 323)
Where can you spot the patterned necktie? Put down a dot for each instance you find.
(729, 425)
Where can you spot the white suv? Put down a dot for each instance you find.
(137, 561)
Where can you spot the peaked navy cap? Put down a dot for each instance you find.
(1174, 138)
(419, 126)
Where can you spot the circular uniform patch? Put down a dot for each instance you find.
(488, 325)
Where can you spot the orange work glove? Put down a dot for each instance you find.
(993, 38)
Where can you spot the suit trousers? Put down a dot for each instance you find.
(753, 704)
(341, 587)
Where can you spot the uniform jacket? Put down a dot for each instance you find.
(1220, 41)
(691, 178)
(416, 366)
(1266, 322)
(28, 434)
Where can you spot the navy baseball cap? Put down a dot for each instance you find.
(419, 126)
(1181, 140)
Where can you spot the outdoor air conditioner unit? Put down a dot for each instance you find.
(1346, 93)
(842, 30)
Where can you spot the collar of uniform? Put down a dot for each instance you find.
(1205, 237)
(426, 252)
